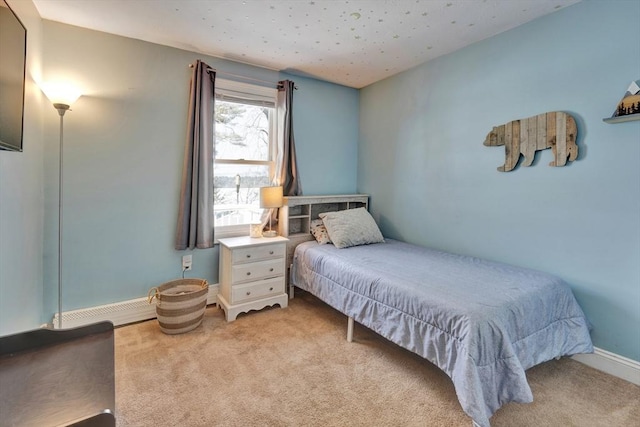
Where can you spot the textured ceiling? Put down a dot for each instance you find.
(350, 42)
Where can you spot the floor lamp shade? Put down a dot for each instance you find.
(60, 94)
(270, 198)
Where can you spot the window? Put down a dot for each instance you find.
(244, 154)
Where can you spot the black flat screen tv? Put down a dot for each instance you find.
(13, 45)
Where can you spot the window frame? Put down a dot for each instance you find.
(233, 91)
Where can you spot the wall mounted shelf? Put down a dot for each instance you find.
(620, 119)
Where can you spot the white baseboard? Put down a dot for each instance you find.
(119, 313)
(612, 364)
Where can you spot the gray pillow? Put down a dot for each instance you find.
(351, 227)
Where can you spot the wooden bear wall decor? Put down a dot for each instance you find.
(556, 130)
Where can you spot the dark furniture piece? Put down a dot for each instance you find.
(58, 377)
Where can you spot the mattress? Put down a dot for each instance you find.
(483, 323)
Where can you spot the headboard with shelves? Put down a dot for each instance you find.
(297, 212)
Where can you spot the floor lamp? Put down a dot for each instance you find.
(61, 96)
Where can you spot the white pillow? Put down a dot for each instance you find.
(351, 227)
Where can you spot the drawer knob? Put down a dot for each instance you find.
(271, 269)
(248, 273)
(271, 288)
(270, 252)
(248, 293)
(248, 255)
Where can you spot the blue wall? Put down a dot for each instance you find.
(432, 182)
(124, 144)
(326, 132)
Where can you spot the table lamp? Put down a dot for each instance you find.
(270, 198)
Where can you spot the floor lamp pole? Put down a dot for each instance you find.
(62, 108)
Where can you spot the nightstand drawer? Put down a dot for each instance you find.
(257, 253)
(254, 290)
(257, 270)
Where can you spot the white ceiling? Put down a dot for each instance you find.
(350, 42)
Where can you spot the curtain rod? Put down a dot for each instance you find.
(243, 77)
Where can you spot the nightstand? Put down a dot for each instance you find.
(252, 274)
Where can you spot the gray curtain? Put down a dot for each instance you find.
(195, 212)
(286, 164)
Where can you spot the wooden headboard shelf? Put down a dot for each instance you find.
(297, 212)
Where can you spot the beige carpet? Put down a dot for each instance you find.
(293, 367)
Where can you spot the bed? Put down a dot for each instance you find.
(483, 323)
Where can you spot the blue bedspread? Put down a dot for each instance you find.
(483, 323)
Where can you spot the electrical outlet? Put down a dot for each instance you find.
(187, 262)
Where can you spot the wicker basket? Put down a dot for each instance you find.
(180, 304)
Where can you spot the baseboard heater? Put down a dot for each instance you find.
(119, 313)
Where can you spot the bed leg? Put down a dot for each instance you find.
(350, 329)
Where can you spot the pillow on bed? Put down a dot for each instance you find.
(319, 231)
(351, 227)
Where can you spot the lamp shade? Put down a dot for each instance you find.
(60, 93)
(270, 197)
